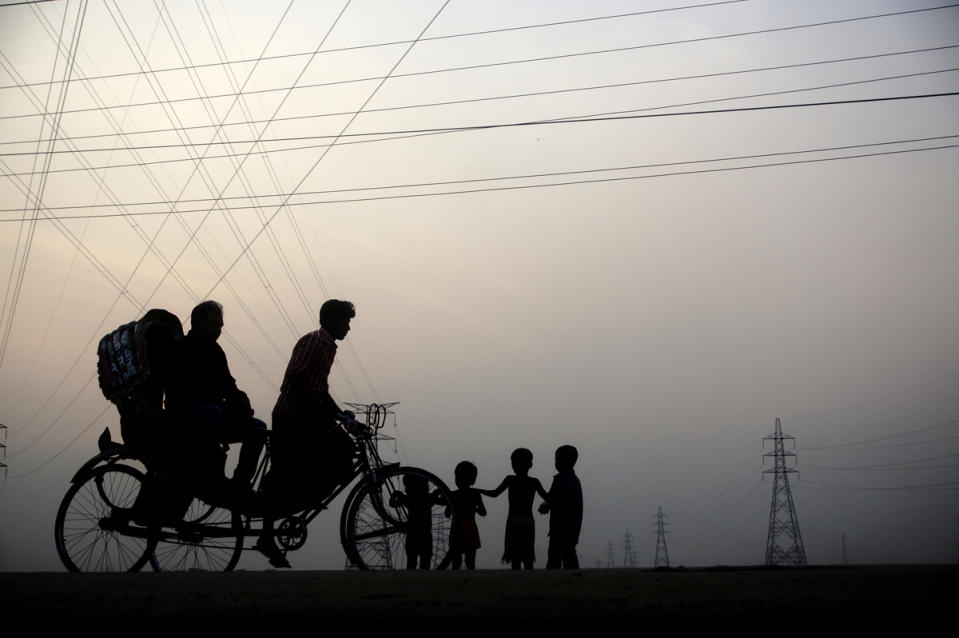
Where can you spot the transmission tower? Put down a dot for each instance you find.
(845, 556)
(662, 554)
(784, 542)
(3, 450)
(629, 555)
(610, 561)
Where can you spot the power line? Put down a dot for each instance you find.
(532, 186)
(565, 120)
(883, 465)
(23, 2)
(400, 42)
(198, 201)
(928, 487)
(884, 438)
(521, 61)
(564, 90)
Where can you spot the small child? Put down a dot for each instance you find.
(565, 508)
(467, 502)
(419, 519)
(520, 527)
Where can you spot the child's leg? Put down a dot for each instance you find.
(410, 560)
(457, 560)
(527, 563)
(471, 559)
(425, 560)
(516, 563)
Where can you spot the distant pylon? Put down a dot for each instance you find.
(783, 542)
(845, 556)
(662, 554)
(629, 555)
(3, 450)
(610, 561)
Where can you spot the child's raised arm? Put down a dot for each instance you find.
(499, 490)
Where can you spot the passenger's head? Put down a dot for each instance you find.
(335, 317)
(465, 474)
(206, 320)
(522, 460)
(566, 456)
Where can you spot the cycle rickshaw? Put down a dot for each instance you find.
(109, 519)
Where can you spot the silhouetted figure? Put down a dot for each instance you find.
(133, 366)
(201, 390)
(418, 503)
(565, 509)
(466, 503)
(520, 527)
(311, 453)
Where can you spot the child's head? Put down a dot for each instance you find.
(465, 474)
(566, 456)
(522, 460)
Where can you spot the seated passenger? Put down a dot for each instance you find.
(203, 394)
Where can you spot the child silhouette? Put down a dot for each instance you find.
(565, 508)
(520, 527)
(467, 502)
(419, 520)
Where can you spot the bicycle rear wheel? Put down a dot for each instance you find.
(95, 526)
(209, 538)
(377, 528)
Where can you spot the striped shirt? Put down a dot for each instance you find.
(305, 393)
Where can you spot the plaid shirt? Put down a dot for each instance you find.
(305, 393)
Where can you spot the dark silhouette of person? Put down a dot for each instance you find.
(311, 453)
(418, 503)
(141, 412)
(565, 509)
(520, 527)
(202, 392)
(466, 503)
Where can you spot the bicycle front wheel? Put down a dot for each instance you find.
(97, 526)
(398, 518)
(209, 538)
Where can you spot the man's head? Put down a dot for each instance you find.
(206, 320)
(335, 317)
(566, 456)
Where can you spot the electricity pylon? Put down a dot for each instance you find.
(662, 554)
(629, 555)
(610, 561)
(3, 450)
(783, 542)
(845, 556)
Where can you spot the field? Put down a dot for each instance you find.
(869, 596)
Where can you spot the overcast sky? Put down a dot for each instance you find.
(560, 222)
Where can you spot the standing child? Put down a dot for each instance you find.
(565, 508)
(520, 528)
(467, 502)
(419, 520)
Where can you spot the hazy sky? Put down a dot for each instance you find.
(626, 255)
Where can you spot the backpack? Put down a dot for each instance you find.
(122, 365)
(129, 379)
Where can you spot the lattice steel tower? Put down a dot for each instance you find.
(629, 554)
(662, 554)
(3, 451)
(784, 542)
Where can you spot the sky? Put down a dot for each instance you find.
(646, 229)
